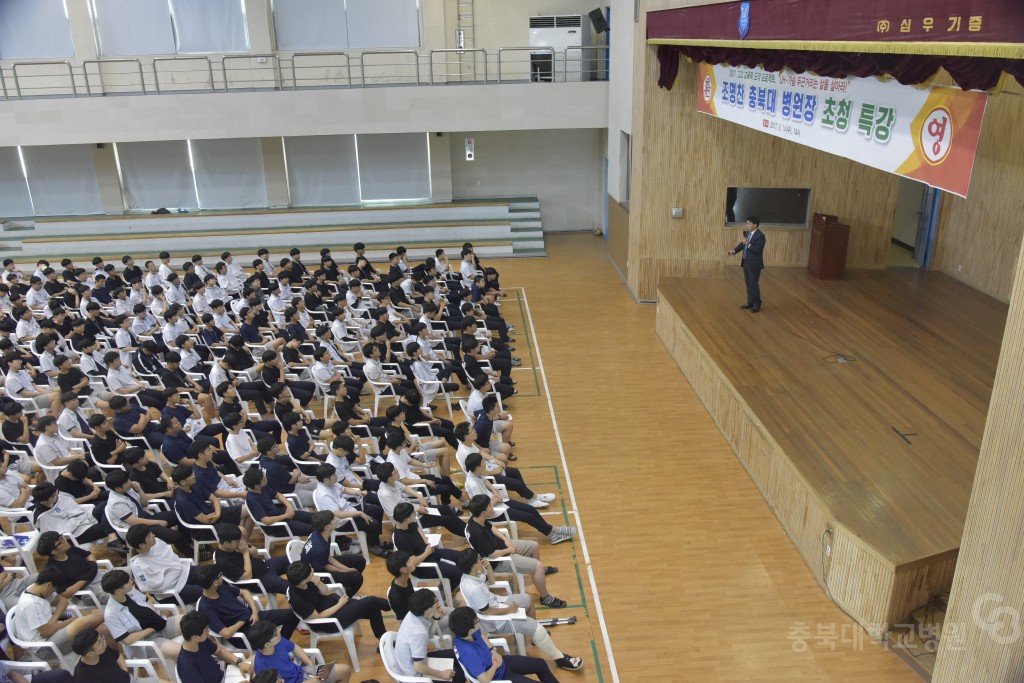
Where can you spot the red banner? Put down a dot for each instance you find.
(961, 21)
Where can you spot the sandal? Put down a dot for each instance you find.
(512, 457)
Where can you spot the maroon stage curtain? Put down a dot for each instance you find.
(970, 73)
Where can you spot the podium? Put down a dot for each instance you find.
(829, 242)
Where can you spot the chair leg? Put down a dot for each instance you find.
(353, 653)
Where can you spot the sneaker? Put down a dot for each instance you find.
(571, 530)
(546, 497)
(569, 662)
(511, 329)
(536, 502)
(558, 536)
(552, 601)
(379, 551)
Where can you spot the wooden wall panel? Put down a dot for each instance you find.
(987, 642)
(977, 239)
(685, 159)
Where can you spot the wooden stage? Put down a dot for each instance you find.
(868, 464)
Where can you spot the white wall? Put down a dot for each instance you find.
(562, 167)
(620, 95)
(304, 112)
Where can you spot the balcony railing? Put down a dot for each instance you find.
(300, 71)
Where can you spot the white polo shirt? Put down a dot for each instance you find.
(410, 643)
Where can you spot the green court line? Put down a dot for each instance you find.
(526, 335)
(597, 660)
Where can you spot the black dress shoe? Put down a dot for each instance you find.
(746, 306)
(755, 309)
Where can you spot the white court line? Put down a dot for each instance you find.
(572, 494)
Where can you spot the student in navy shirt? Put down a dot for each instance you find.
(269, 507)
(195, 505)
(282, 474)
(197, 661)
(346, 569)
(128, 417)
(477, 657)
(232, 610)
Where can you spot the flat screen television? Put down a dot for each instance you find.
(777, 207)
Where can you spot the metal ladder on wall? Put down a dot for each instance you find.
(466, 29)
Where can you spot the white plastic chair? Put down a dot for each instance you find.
(387, 655)
(34, 647)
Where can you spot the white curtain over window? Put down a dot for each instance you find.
(34, 29)
(15, 201)
(394, 166)
(134, 27)
(209, 26)
(310, 25)
(229, 173)
(157, 174)
(383, 23)
(322, 170)
(62, 180)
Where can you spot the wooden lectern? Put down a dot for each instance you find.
(829, 241)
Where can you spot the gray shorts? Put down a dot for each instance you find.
(520, 562)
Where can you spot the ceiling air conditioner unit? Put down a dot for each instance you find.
(569, 36)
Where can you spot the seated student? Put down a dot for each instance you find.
(130, 420)
(309, 598)
(77, 566)
(40, 614)
(157, 569)
(126, 507)
(401, 565)
(233, 610)
(14, 488)
(472, 355)
(477, 485)
(51, 448)
(486, 436)
(300, 445)
(20, 383)
(212, 476)
(76, 481)
(147, 474)
(56, 511)
(240, 446)
(239, 561)
(97, 661)
(414, 636)
(483, 662)
(523, 557)
(197, 661)
(275, 656)
(196, 504)
(123, 382)
(409, 537)
(477, 578)
(232, 403)
(392, 492)
(282, 474)
(496, 465)
(332, 497)
(107, 447)
(130, 618)
(412, 472)
(267, 507)
(346, 568)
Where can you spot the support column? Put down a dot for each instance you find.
(983, 634)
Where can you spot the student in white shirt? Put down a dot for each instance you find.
(19, 383)
(36, 297)
(333, 497)
(27, 328)
(165, 269)
(37, 618)
(238, 444)
(157, 569)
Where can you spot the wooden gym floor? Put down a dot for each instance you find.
(696, 579)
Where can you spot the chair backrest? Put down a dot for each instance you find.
(387, 653)
(294, 549)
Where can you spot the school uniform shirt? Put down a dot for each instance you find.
(159, 570)
(36, 298)
(238, 445)
(391, 495)
(122, 339)
(120, 506)
(10, 487)
(17, 382)
(332, 498)
(122, 378)
(51, 448)
(65, 517)
(131, 616)
(26, 328)
(411, 644)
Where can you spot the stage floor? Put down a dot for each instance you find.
(890, 438)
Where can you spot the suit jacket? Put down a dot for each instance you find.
(753, 258)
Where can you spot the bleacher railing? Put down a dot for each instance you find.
(300, 71)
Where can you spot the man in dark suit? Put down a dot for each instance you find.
(753, 262)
